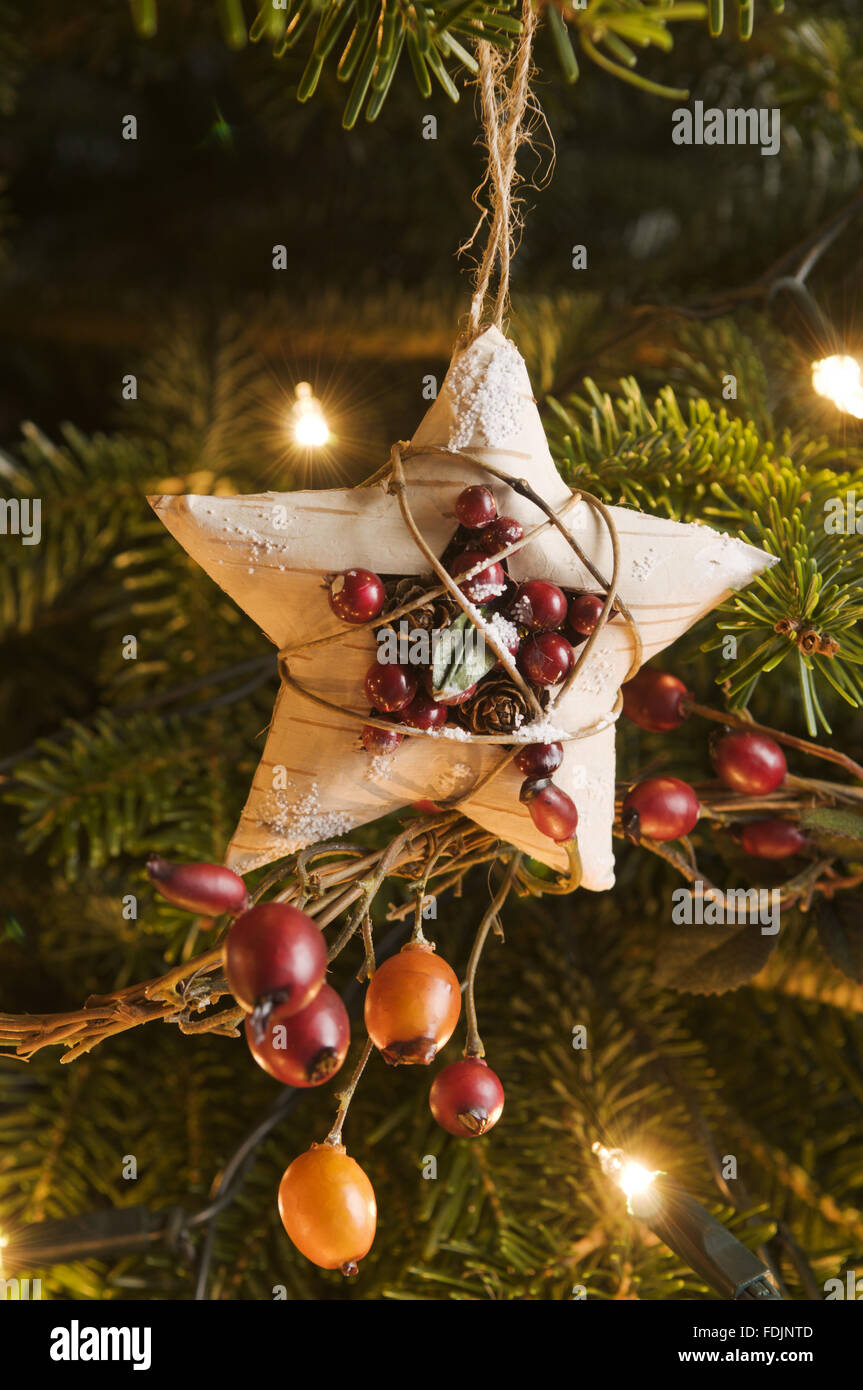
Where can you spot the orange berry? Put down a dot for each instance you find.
(412, 1005)
(328, 1208)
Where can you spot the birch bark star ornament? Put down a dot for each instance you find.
(276, 555)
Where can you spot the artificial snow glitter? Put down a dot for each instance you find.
(298, 821)
(380, 767)
(505, 631)
(488, 397)
(540, 731)
(595, 676)
(643, 566)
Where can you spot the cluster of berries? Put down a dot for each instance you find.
(543, 625)
(298, 1030)
(752, 763)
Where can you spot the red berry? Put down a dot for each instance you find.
(424, 713)
(584, 611)
(751, 763)
(545, 658)
(206, 888)
(457, 699)
(476, 507)
(539, 759)
(652, 700)
(428, 808)
(662, 808)
(466, 1098)
(303, 1049)
(389, 687)
(773, 839)
(487, 584)
(538, 606)
(553, 812)
(377, 740)
(356, 596)
(501, 533)
(275, 952)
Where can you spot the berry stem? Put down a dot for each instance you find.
(368, 966)
(345, 1097)
(473, 1042)
(743, 721)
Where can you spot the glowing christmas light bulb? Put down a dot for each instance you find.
(310, 429)
(631, 1177)
(635, 1178)
(838, 380)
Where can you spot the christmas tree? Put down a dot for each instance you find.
(228, 247)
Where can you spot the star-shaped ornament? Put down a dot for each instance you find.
(272, 553)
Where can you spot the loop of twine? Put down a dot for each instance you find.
(504, 101)
(450, 584)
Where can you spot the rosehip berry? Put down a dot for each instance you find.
(412, 1005)
(652, 700)
(751, 763)
(553, 812)
(487, 584)
(476, 507)
(539, 759)
(584, 611)
(538, 606)
(501, 533)
(545, 658)
(662, 808)
(328, 1208)
(389, 687)
(206, 888)
(424, 713)
(377, 740)
(466, 1098)
(773, 839)
(356, 596)
(275, 953)
(457, 699)
(303, 1049)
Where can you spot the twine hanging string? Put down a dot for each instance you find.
(510, 112)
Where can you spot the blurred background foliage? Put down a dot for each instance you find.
(153, 257)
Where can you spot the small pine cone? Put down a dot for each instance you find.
(828, 646)
(428, 614)
(808, 639)
(498, 707)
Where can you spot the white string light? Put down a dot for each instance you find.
(838, 380)
(310, 429)
(687, 1228)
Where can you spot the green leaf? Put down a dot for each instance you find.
(831, 820)
(840, 930)
(462, 657)
(712, 959)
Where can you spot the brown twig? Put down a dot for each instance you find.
(331, 879)
(473, 1042)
